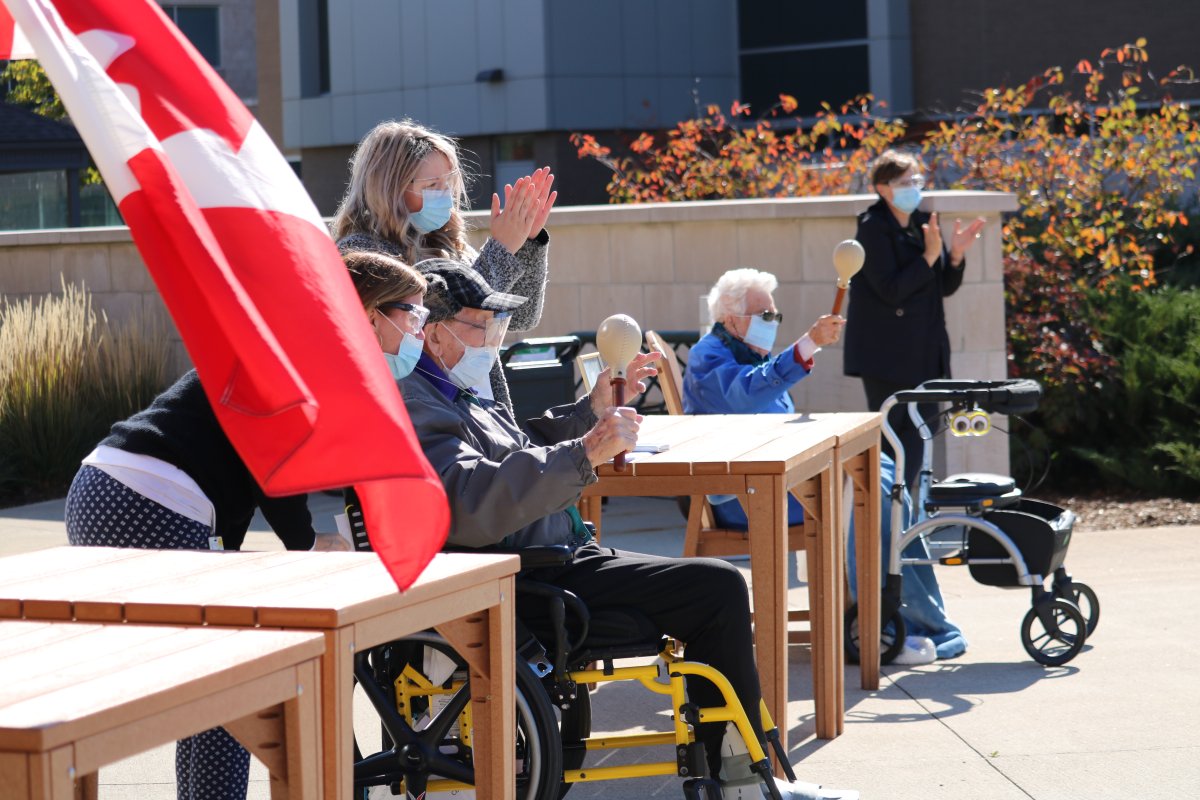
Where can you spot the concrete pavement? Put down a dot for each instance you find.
(1120, 721)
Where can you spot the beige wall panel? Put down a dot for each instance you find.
(580, 254)
(642, 254)
(704, 250)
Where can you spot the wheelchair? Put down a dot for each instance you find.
(1004, 538)
(420, 689)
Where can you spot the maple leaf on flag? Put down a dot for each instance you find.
(244, 264)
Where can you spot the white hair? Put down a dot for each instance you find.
(727, 297)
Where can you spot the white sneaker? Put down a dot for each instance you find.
(916, 650)
(753, 789)
(811, 791)
(739, 782)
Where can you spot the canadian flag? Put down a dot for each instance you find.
(13, 44)
(244, 263)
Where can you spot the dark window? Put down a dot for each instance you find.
(830, 74)
(314, 48)
(201, 25)
(779, 23)
(813, 51)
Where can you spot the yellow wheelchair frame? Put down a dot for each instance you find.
(411, 684)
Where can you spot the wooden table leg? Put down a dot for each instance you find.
(863, 469)
(820, 513)
(16, 774)
(829, 662)
(337, 713)
(766, 512)
(286, 739)
(486, 640)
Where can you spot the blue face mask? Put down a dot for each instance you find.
(435, 210)
(402, 363)
(404, 360)
(761, 334)
(906, 198)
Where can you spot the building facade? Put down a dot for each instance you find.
(513, 78)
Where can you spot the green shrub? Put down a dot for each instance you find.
(66, 375)
(1148, 437)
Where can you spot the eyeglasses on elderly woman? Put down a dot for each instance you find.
(767, 316)
(915, 181)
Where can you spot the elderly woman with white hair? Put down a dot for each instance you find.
(731, 371)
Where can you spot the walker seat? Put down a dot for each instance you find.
(973, 489)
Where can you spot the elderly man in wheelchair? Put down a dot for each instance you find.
(578, 603)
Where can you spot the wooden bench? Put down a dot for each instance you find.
(75, 697)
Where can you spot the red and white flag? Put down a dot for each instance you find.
(245, 265)
(13, 44)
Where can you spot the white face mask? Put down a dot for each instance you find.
(475, 365)
(761, 334)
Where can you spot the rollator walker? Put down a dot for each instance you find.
(985, 524)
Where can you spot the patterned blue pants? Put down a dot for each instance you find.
(103, 512)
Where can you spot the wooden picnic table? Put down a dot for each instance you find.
(77, 697)
(349, 597)
(763, 458)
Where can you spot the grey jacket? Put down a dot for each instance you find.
(522, 274)
(502, 487)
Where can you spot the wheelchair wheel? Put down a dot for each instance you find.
(538, 746)
(1086, 601)
(1057, 643)
(891, 639)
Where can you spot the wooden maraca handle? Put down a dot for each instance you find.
(837, 300)
(618, 390)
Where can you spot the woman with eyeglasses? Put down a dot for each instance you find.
(405, 198)
(731, 369)
(168, 478)
(896, 325)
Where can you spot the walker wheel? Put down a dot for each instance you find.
(891, 639)
(1086, 601)
(1059, 642)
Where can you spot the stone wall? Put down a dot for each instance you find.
(652, 262)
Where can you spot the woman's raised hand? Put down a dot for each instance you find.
(545, 198)
(964, 238)
(527, 204)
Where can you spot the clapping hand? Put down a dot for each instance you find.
(933, 239)
(964, 238)
(527, 205)
(641, 367)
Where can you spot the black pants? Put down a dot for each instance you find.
(703, 602)
(910, 438)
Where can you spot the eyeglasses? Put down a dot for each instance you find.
(438, 182)
(916, 181)
(416, 314)
(767, 316)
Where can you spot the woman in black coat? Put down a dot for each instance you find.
(896, 325)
